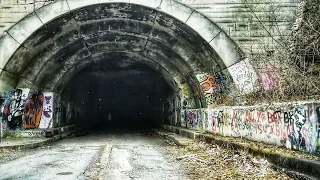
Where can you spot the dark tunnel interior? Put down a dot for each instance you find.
(117, 94)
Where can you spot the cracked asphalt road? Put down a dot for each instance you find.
(132, 155)
(116, 156)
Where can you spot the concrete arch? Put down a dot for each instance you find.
(17, 45)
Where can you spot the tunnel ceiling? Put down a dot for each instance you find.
(110, 32)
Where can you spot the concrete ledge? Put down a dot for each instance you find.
(50, 132)
(41, 143)
(309, 168)
(178, 140)
(192, 134)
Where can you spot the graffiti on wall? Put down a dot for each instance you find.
(14, 108)
(268, 77)
(23, 112)
(225, 82)
(204, 117)
(297, 120)
(47, 115)
(33, 111)
(244, 76)
(191, 118)
(216, 120)
(296, 128)
(211, 90)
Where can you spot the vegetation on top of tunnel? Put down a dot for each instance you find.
(288, 64)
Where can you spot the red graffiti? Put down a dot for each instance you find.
(249, 118)
(261, 116)
(274, 117)
(271, 130)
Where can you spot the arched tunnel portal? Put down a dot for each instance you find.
(129, 59)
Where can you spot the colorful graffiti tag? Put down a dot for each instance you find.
(33, 111)
(23, 112)
(210, 89)
(193, 118)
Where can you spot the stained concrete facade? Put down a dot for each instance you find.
(240, 19)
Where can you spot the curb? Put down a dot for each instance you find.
(39, 144)
(49, 132)
(172, 137)
(304, 168)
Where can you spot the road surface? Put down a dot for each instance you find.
(116, 156)
(132, 155)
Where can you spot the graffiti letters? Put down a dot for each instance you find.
(210, 89)
(297, 128)
(36, 134)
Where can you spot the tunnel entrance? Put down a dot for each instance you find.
(118, 93)
(136, 62)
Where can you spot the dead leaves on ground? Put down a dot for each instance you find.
(206, 161)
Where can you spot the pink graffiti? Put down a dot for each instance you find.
(261, 116)
(268, 77)
(249, 117)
